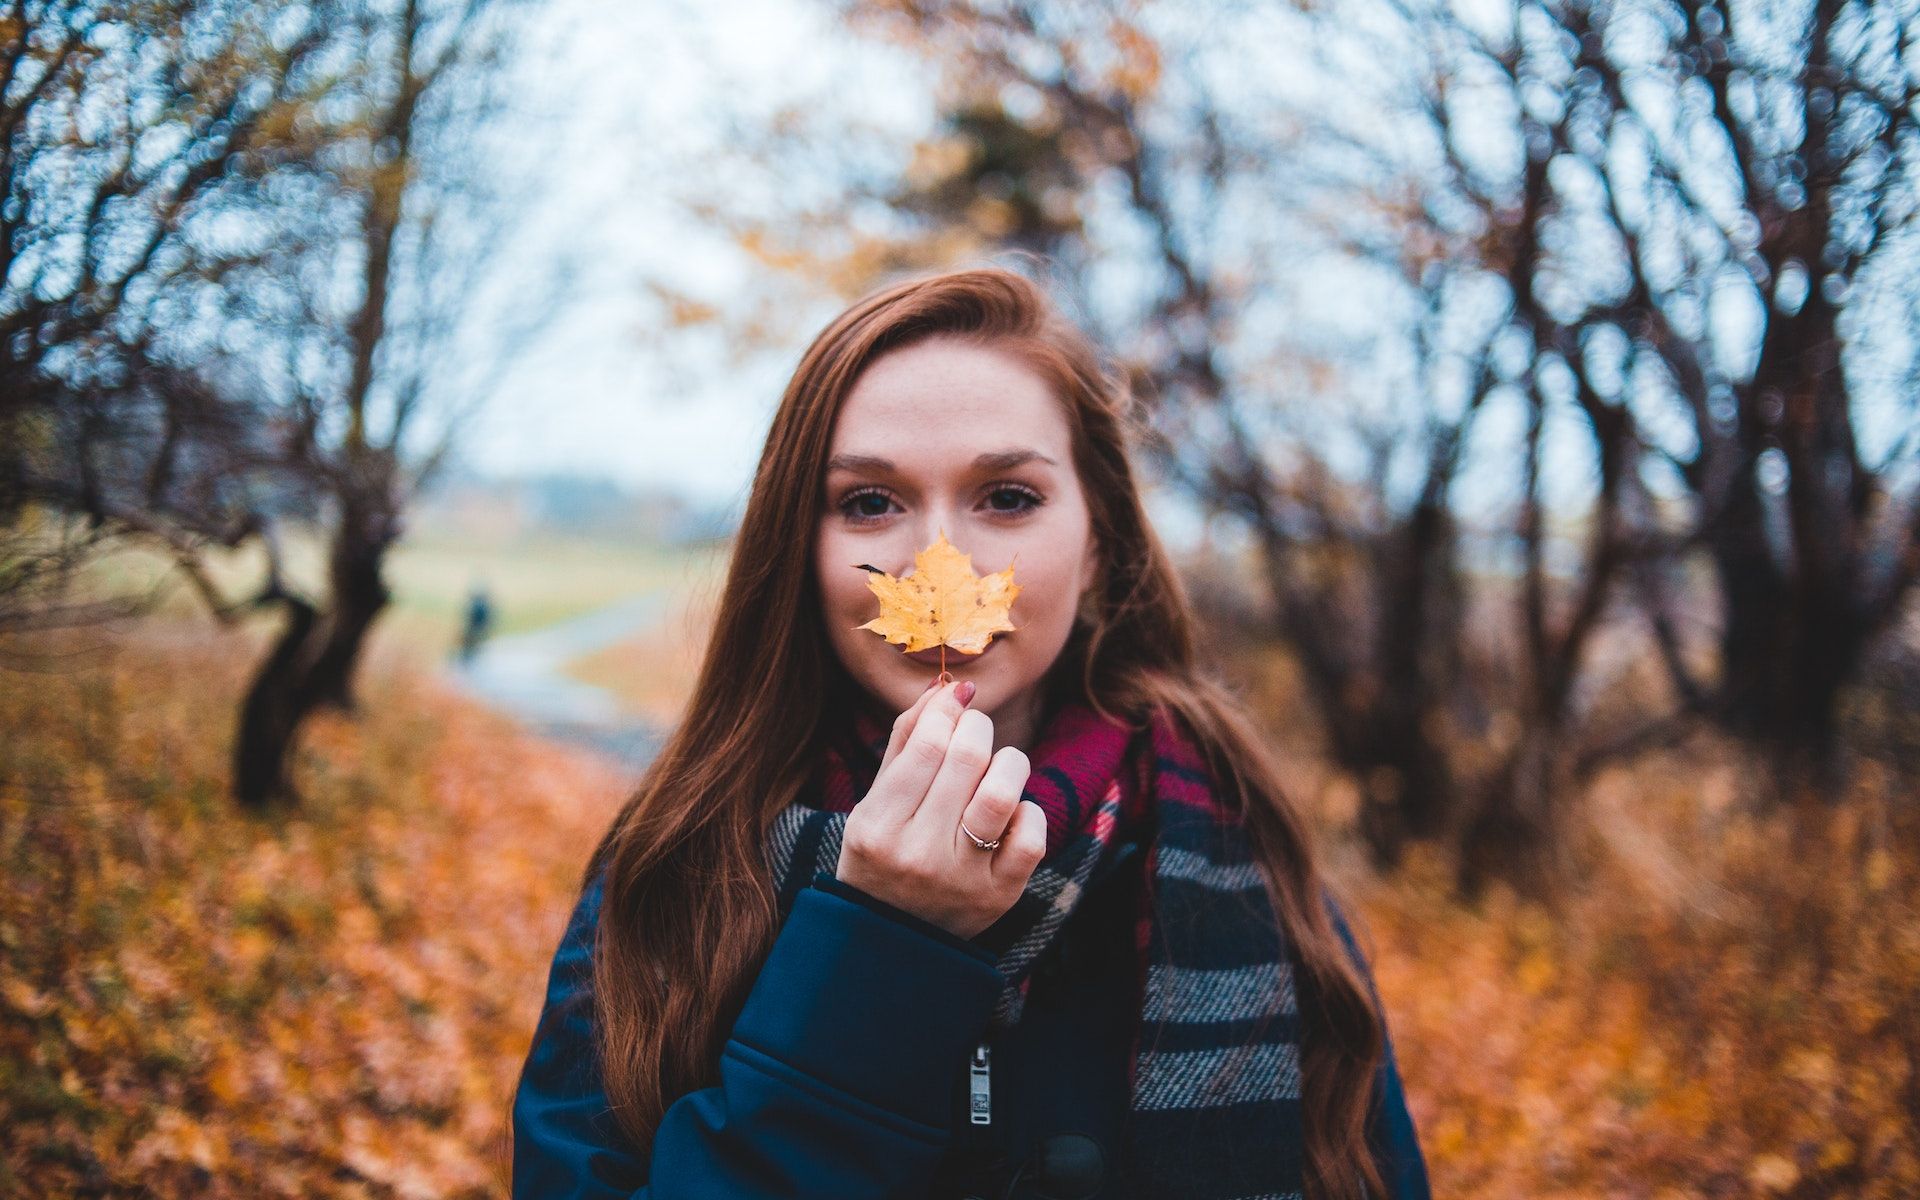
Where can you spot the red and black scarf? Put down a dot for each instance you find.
(1216, 1056)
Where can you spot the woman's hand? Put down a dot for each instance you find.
(903, 842)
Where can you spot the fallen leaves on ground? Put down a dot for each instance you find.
(336, 1001)
(1728, 1007)
(333, 1001)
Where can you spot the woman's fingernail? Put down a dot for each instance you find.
(964, 693)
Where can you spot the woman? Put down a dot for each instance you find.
(837, 944)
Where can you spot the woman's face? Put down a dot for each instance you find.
(946, 435)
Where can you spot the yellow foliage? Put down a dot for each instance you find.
(1773, 1173)
(1725, 1005)
(334, 1001)
(1137, 72)
(944, 602)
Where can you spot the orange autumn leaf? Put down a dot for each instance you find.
(942, 601)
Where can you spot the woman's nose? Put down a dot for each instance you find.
(976, 538)
(935, 520)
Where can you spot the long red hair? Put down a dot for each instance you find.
(689, 912)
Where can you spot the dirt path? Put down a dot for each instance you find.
(524, 675)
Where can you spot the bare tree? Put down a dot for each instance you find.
(121, 125)
(1638, 227)
(118, 123)
(282, 344)
(375, 390)
(1567, 383)
(1733, 273)
(1789, 175)
(1122, 127)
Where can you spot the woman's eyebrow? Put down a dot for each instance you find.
(992, 460)
(1006, 460)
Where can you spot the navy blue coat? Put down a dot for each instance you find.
(849, 1072)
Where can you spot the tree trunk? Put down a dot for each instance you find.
(270, 715)
(1788, 649)
(1378, 680)
(1517, 834)
(312, 662)
(1420, 654)
(360, 594)
(1798, 616)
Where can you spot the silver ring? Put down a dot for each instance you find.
(992, 845)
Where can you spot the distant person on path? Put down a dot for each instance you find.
(1051, 929)
(478, 624)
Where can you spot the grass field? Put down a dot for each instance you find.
(534, 580)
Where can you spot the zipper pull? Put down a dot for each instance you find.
(979, 1087)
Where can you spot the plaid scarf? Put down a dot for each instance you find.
(1216, 1059)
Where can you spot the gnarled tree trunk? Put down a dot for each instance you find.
(312, 661)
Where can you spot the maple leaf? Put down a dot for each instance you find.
(943, 602)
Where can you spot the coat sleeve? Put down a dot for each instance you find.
(1396, 1143)
(837, 1080)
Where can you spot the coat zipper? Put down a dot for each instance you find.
(980, 1086)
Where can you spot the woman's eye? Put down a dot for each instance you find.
(1019, 499)
(870, 505)
(865, 506)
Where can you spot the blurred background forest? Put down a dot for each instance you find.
(1535, 388)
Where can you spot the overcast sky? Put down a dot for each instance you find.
(622, 95)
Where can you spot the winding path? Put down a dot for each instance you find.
(524, 675)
